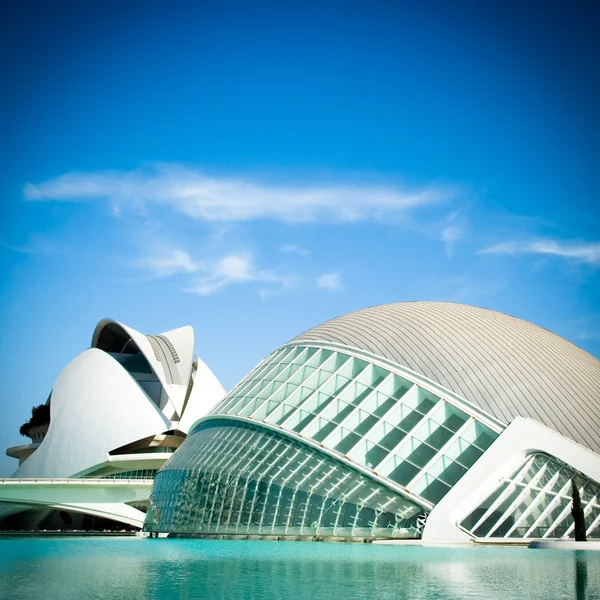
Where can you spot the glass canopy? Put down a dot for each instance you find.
(535, 502)
(367, 413)
(232, 478)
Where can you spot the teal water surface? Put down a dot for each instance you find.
(129, 568)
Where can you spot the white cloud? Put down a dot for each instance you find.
(452, 229)
(38, 245)
(450, 235)
(171, 262)
(294, 249)
(584, 328)
(223, 272)
(469, 290)
(511, 248)
(582, 252)
(331, 282)
(234, 269)
(220, 199)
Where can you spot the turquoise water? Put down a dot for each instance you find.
(129, 568)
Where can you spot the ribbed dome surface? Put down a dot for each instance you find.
(506, 366)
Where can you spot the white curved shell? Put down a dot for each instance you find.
(96, 406)
(127, 388)
(207, 391)
(182, 340)
(506, 366)
(170, 356)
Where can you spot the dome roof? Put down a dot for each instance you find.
(506, 366)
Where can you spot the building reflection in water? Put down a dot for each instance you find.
(581, 575)
(215, 570)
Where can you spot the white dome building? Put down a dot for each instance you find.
(118, 411)
(413, 420)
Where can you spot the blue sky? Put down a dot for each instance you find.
(253, 169)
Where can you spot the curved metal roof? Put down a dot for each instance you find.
(506, 366)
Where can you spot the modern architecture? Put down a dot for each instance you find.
(116, 414)
(428, 420)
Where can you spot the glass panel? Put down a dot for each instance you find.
(383, 405)
(470, 522)
(468, 454)
(371, 415)
(265, 484)
(534, 506)
(438, 436)
(404, 473)
(593, 522)
(434, 490)
(484, 436)
(375, 455)
(451, 471)
(455, 418)
(324, 430)
(347, 443)
(392, 438)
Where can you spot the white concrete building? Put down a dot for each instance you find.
(424, 420)
(117, 411)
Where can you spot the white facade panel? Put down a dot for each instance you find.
(96, 406)
(127, 389)
(206, 392)
(521, 438)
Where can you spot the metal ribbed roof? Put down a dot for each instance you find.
(506, 366)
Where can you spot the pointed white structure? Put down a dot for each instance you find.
(119, 410)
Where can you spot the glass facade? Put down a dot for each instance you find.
(365, 412)
(138, 474)
(234, 478)
(321, 442)
(535, 502)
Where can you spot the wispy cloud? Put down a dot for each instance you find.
(332, 282)
(471, 290)
(294, 249)
(581, 252)
(452, 229)
(223, 272)
(584, 328)
(171, 262)
(220, 199)
(450, 235)
(234, 269)
(38, 245)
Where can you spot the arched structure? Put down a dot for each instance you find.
(112, 499)
(369, 425)
(121, 408)
(505, 366)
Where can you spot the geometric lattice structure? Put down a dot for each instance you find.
(137, 474)
(535, 502)
(367, 413)
(429, 400)
(250, 481)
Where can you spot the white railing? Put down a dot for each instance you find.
(73, 481)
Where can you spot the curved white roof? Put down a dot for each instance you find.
(506, 366)
(98, 405)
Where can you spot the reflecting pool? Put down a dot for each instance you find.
(129, 568)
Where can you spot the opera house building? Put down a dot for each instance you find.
(427, 420)
(115, 416)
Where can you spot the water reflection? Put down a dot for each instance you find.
(581, 575)
(182, 569)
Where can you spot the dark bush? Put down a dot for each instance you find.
(40, 415)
